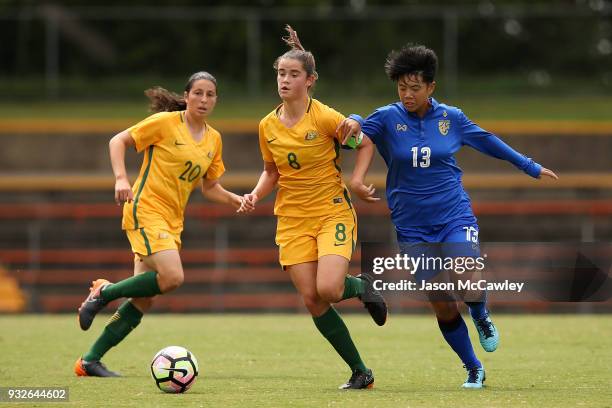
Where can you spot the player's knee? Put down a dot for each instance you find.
(330, 293)
(170, 280)
(313, 303)
(446, 310)
(310, 300)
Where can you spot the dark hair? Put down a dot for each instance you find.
(412, 59)
(297, 52)
(163, 100)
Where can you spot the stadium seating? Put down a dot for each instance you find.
(61, 229)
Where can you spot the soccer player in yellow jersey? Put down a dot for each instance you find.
(317, 228)
(181, 151)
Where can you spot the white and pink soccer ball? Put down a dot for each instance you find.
(174, 369)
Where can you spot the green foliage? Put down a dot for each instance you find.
(350, 44)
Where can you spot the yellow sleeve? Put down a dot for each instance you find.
(266, 154)
(216, 168)
(148, 131)
(328, 121)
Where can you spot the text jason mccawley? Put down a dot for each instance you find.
(457, 264)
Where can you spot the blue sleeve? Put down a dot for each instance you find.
(489, 144)
(356, 118)
(374, 126)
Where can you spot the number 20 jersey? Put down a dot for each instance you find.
(173, 166)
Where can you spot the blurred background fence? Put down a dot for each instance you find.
(520, 47)
(71, 76)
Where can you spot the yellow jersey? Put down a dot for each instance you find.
(173, 166)
(307, 156)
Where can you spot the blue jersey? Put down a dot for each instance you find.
(423, 180)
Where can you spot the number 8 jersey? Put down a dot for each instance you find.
(307, 156)
(173, 165)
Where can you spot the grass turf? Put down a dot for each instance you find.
(280, 360)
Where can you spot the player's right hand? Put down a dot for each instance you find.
(123, 192)
(248, 203)
(548, 173)
(366, 193)
(347, 128)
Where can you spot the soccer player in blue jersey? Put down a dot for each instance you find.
(418, 137)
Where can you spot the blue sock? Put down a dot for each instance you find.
(455, 333)
(478, 310)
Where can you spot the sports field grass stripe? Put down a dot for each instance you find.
(34, 126)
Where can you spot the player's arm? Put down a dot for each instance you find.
(117, 147)
(266, 183)
(269, 176)
(493, 146)
(371, 127)
(214, 191)
(140, 136)
(365, 154)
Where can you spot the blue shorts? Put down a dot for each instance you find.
(456, 239)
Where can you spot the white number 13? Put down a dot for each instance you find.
(425, 155)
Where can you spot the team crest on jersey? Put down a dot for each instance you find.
(210, 155)
(311, 135)
(444, 126)
(401, 128)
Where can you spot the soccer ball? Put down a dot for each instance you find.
(174, 369)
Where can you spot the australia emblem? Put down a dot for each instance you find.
(311, 135)
(444, 126)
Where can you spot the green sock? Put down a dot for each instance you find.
(142, 285)
(353, 287)
(332, 327)
(125, 319)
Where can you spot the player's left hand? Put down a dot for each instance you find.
(347, 128)
(239, 203)
(548, 173)
(247, 203)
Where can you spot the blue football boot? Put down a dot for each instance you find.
(475, 379)
(487, 333)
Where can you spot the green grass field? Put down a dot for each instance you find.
(281, 361)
